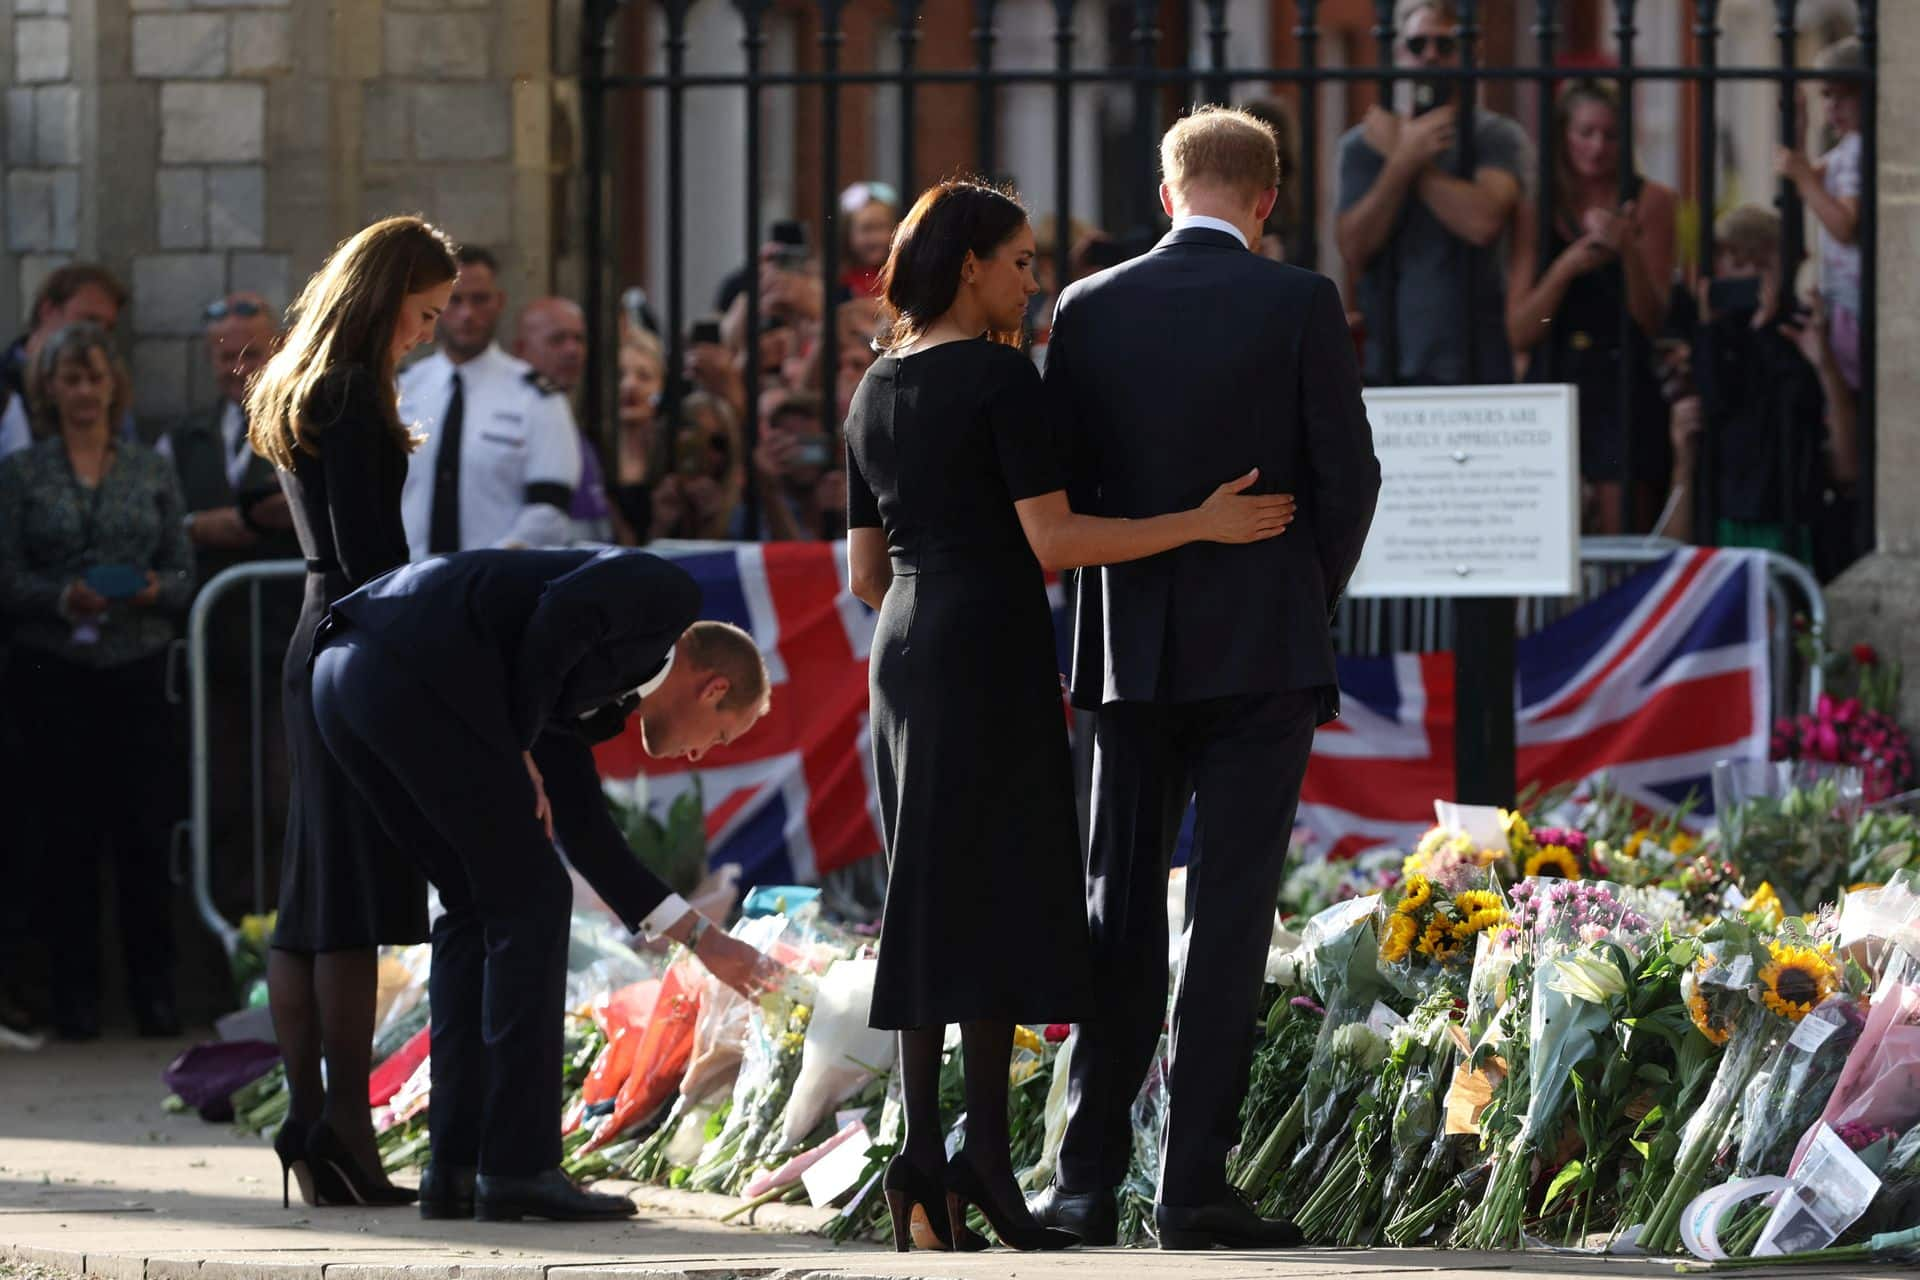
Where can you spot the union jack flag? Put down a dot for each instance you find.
(1651, 682)
(793, 799)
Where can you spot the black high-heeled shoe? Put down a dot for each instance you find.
(290, 1144)
(339, 1179)
(965, 1188)
(910, 1190)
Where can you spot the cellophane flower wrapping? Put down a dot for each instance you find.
(1787, 1095)
(1880, 1085)
(1339, 962)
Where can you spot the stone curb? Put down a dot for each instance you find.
(133, 1267)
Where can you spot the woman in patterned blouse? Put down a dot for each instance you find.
(95, 569)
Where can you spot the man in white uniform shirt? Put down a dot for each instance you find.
(501, 458)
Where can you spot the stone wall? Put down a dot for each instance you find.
(200, 146)
(1878, 600)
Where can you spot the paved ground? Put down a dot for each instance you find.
(95, 1178)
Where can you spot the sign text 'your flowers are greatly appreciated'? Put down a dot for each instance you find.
(1479, 492)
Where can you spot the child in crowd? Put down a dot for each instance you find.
(1831, 189)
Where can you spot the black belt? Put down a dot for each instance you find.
(323, 566)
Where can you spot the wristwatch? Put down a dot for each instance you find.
(700, 926)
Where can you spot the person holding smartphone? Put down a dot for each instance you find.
(805, 495)
(95, 568)
(1408, 219)
(1772, 399)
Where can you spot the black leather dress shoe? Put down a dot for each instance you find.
(1229, 1223)
(550, 1195)
(446, 1191)
(1091, 1215)
(156, 1018)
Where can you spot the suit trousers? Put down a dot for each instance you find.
(1242, 758)
(464, 806)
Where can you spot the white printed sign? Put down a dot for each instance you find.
(1479, 492)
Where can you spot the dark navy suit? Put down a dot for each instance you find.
(1208, 665)
(429, 683)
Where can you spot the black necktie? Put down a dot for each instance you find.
(443, 528)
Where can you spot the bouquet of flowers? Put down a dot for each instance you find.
(1427, 933)
(1855, 727)
(1582, 946)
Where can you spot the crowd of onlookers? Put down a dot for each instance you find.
(1728, 398)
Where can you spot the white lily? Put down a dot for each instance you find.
(1590, 977)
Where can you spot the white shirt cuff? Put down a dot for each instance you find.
(665, 916)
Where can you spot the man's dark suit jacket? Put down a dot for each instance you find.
(200, 459)
(1170, 375)
(541, 651)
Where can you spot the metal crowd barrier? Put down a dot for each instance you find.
(1361, 627)
(252, 576)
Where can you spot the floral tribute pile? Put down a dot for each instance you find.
(1572, 1025)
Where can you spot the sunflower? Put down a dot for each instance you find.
(1631, 849)
(1479, 922)
(1401, 932)
(1438, 941)
(1795, 980)
(1682, 843)
(1418, 893)
(1468, 901)
(1703, 1018)
(1555, 861)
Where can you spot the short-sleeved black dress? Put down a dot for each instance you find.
(344, 884)
(986, 900)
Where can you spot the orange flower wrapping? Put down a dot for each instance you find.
(661, 1059)
(622, 1020)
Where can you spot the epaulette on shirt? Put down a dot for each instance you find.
(542, 383)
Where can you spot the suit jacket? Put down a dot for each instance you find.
(541, 651)
(1169, 375)
(517, 640)
(200, 458)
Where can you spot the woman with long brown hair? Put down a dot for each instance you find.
(956, 503)
(324, 412)
(1601, 254)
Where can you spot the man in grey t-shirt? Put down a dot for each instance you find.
(1408, 223)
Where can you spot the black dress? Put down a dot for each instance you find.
(1583, 347)
(986, 902)
(343, 882)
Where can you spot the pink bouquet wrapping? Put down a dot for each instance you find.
(1880, 1086)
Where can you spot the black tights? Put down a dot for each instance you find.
(323, 1006)
(986, 1054)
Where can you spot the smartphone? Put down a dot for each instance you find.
(1739, 294)
(790, 238)
(1429, 95)
(117, 581)
(707, 331)
(815, 451)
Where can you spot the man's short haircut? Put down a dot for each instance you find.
(726, 650)
(1843, 55)
(1750, 230)
(1443, 9)
(472, 255)
(1220, 147)
(58, 288)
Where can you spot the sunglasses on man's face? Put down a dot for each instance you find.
(221, 309)
(1444, 46)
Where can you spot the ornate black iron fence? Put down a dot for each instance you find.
(1150, 79)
